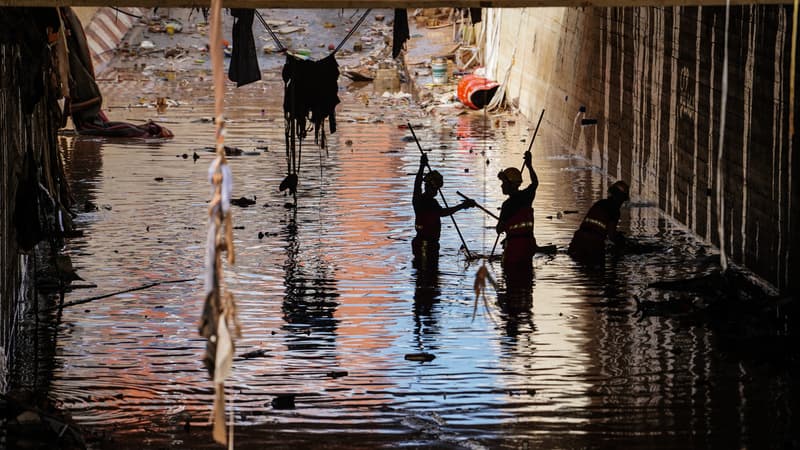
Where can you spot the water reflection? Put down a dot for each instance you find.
(427, 294)
(516, 305)
(330, 285)
(310, 302)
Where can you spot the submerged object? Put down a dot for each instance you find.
(283, 401)
(290, 182)
(243, 202)
(423, 357)
(476, 92)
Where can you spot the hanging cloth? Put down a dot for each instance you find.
(244, 61)
(311, 91)
(475, 15)
(400, 33)
(311, 94)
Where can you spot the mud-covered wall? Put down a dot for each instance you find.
(653, 79)
(32, 191)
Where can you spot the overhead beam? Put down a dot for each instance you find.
(386, 4)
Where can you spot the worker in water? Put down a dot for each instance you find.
(600, 224)
(429, 213)
(516, 220)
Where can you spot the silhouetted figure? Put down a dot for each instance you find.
(516, 220)
(428, 224)
(600, 224)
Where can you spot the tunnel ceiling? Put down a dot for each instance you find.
(378, 3)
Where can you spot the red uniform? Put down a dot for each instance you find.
(516, 217)
(600, 223)
(428, 224)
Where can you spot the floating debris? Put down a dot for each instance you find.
(255, 354)
(284, 401)
(422, 357)
(243, 202)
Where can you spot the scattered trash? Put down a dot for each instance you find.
(147, 45)
(357, 75)
(173, 27)
(289, 30)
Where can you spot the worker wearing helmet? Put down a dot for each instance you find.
(516, 219)
(429, 213)
(589, 241)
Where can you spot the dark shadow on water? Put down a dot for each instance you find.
(516, 303)
(427, 294)
(311, 297)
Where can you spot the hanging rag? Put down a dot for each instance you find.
(86, 101)
(310, 93)
(400, 33)
(244, 61)
(475, 15)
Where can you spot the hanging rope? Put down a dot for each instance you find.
(272, 34)
(282, 48)
(219, 323)
(483, 274)
(352, 30)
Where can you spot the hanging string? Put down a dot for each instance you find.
(352, 30)
(122, 11)
(283, 48)
(272, 34)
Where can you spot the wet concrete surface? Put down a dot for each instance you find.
(331, 305)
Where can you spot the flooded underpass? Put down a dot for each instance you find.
(330, 304)
(345, 343)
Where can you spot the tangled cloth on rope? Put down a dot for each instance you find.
(311, 94)
(219, 323)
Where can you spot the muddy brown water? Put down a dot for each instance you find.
(330, 287)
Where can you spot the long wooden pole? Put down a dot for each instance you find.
(469, 254)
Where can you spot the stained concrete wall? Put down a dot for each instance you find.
(653, 77)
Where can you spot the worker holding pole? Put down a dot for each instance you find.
(516, 218)
(428, 214)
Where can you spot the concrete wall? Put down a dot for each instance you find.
(653, 77)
